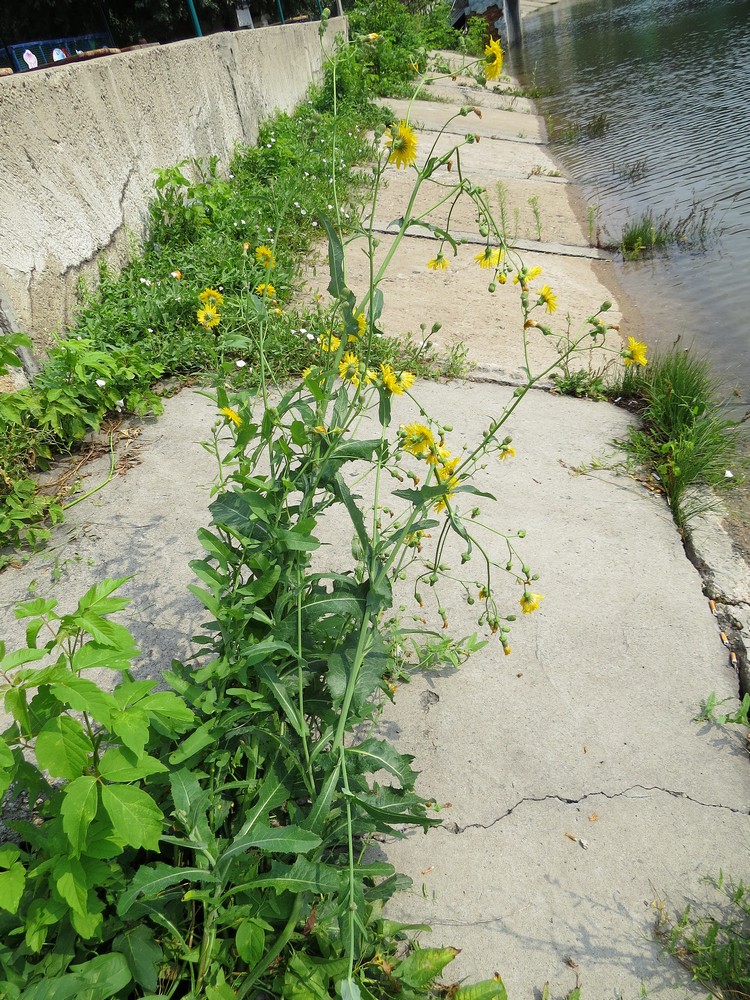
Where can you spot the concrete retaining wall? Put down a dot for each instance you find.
(79, 144)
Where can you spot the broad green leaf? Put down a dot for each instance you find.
(88, 925)
(272, 793)
(132, 727)
(396, 815)
(303, 981)
(56, 988)
(93, 656)
(84, 695)
(280, 840)
(337, 284)
(293, 541)
(150, 880)
(30, 609)
(250, 942)
(211, 603)
(11, 887)
(169, 710)
(78, 809)
(221, 992)
(97, 599)
(19, 657)
(302, 876)
(8, 854)
(420, 967)
(101, 630)
(62, 748)
(70, 881)
(347, 989)
(488, 989)
(136, 818)
(198, 740)
(103, 976)
(388, 887)
(377, 755)
(318, 815)
(142, 954)
(266, 673)
(121, 764)
(186, 791)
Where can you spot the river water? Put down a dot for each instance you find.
(671, 78)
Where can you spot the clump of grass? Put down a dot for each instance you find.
(572, 132)
(716, 946)
(693, 231)
(539, 171)
(686, 441)
(632, 172)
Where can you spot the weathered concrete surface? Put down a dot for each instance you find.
(80, 144)
(586, 729)
(494, 123)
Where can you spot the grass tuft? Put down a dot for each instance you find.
(692, 231)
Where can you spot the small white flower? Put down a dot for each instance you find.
(119, 405)
(231, 177)
(315, 225)
(729, 474)
(304, 212)
(330, 208)
(378, 335)
(221, 288)
(240, 363)
(101, 383)
(150, 329)
(306, 175)
(296, 204)
(146, 282)
(302, 330)
(268, 145)
(310, 336)
(243, 222)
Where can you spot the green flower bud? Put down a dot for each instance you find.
(491, 287)
(522, 533)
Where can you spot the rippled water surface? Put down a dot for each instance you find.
(672, 78)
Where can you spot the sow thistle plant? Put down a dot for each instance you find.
(211, 840)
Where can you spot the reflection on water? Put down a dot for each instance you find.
(671, 78)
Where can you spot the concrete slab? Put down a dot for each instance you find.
(501, 96)
(431, 116)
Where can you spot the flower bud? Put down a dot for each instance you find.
(522, 533)
(491, 287)
(606, 306)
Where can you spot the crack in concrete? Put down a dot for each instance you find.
(456, 829)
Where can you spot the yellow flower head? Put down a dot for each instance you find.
(265, 289)
(530, 602)
(445, 475)
(489, 257)
(439, 263)
(402, 141)
(493, 59)
(329, 342)
(417, 439)
(210, 297)
(438, 455)
(634, 353)
(349, 368)
(526, 275)
(372, 37)
(265, 256)
(507, 452)
(208, 317)
(547, 298)
(396, 382)
(177, 273)
(231, 415)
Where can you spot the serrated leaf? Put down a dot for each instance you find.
(62, 748)
(97, 598)
(169, 710)
(19, 657)
(132, 727)
(121, 764)
(302, 876)
(421, 967)
(83, 695)
(102, 630)
(70, 882)
(151, 880)
(11, 887)
(142, 954)
(136, 818)
(78, 809)
(376, 755)
(281, 840)
(488, 989)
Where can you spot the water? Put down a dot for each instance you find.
(671, 78)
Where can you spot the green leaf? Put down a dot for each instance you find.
(7, 767)
(84, 695)
(281, 840)
(97, 599)
(101, 630)
(70, 882)
(136, 818)
(39, 606)
(273, 792)
(266, 673)
(421, 967)
(488, 989)
(250, 942)
(376, 755)
(94, 656)
(62, 748)
(132, 727)
(198, 740)
(302, 876)
(337, 284)
(150, 880)
(318, 815)
(142, 954)
(347, 989)
(103, 976)
(388, 887)
(396, 815)
(79, 806)
(19, 657)
(121, 764)
(11, 887)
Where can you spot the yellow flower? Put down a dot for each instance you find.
(208, 317)
(445, 475)
(488, 257)
(349, 368)
(439, 263)
(265, 256)
(396, 382)
(506, 453)
(547, 297)
(210, 297)
(402, 141)
(265, 289)
(329, 342)
(439, 455)
(372, 37)
(414, 66)
(232, 415)
(493, 59)
(371, 377)
(530, 602)
(634, 353)
(525, 275)
(176, 274)
(417, 439)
